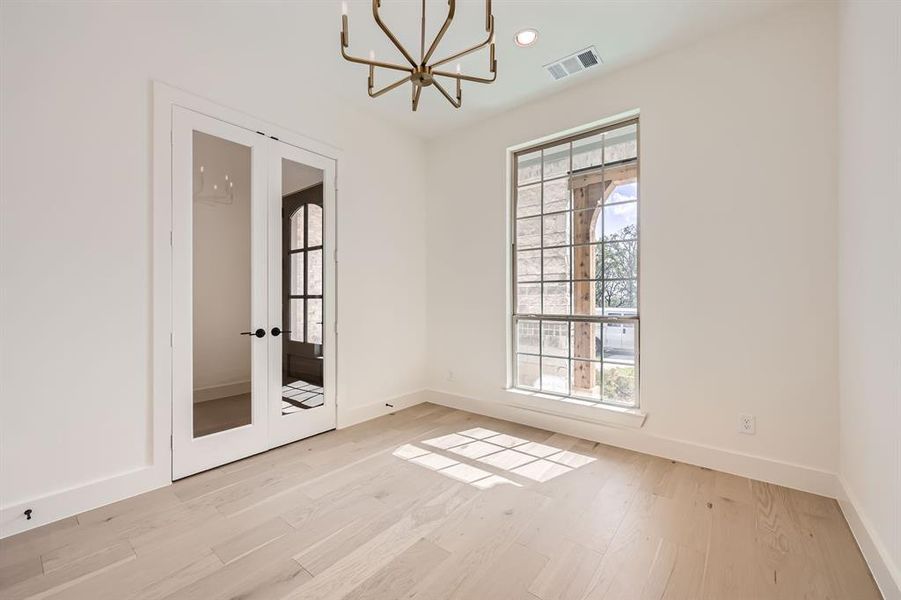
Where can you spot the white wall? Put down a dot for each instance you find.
(738, 248)
(75, 246)
(870, 281)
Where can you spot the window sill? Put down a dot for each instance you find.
(573, 408)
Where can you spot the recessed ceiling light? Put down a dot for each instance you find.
(526, 37)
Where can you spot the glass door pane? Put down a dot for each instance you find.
(221, 285)
(302, 385)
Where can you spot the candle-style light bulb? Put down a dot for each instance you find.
(372, 55)
(344, 36)
(459, 69)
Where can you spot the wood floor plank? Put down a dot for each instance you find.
(733, 487)
(627, 562)
(731, 553)
(603, 515)
(567, 573)
(173, 581)
(246, 542)
(14, 572)
(255, 580)
(33, 543)
(149, 578)
(361, 562)
(507, 578)
(109, 526)
(834, 551)
(396, 578)
(90, 566)
(676, 574)
(434, 503)
(776, 524)
(500, 513)
(478, 535)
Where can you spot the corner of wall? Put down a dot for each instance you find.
(872, 546)
(374, 410)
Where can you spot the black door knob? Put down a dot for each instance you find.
(259, 332)
(277, 332)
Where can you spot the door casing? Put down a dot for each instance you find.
(158, 470)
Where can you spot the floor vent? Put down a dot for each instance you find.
(574, 63)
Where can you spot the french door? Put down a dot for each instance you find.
(238, 260)
(302, 297)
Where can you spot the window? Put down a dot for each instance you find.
(306, 274)
(575, 267)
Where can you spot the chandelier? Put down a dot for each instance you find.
(207, 192)
(424, 72)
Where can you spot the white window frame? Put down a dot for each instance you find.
(514, 316)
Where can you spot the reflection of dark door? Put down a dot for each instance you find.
(302, 296)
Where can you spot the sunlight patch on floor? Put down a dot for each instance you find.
(499, 451)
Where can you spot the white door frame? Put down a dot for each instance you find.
(165, 98)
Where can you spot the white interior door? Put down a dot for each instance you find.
(220, 342)
(301, 293)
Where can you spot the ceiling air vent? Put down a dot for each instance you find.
(574, 63)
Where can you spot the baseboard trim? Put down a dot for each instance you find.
(791, 475)
(94, 494)
(885, 572)
(353, 416)
(75, 500)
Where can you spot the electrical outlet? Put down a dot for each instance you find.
(450, 375)
(747, 424)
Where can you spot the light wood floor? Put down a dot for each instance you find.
(436, 503)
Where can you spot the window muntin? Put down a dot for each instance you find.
(306, 274)
(575, 266)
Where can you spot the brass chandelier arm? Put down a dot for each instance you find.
(422, 32)
(466, 77)
(417, 91)
(489, 27)
(451, 10)
(456, 103)
(492, 67)
(373, 63)
(466, 52)
(384, 28)
(387, 88)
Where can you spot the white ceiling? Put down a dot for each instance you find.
(622, 31)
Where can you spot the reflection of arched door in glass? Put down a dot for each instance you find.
(302, 293)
